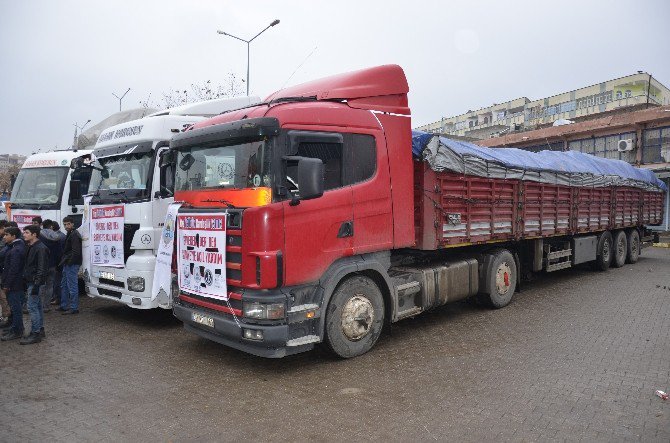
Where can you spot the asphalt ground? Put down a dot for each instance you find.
(577, 355)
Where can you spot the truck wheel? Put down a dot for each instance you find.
(499, 279)
(603, 252)
(633, 253)
(354, 317)
(620, 249)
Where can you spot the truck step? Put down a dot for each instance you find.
(559, 254)
(558, 266)
(307, 339)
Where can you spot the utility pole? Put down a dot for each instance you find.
(120, 98)
(81, 129)
(248, 42)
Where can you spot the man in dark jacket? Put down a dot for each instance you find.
(52, 241)
(55, 300)
(12, 281)
(5, 320)
(71, 262)
(35, 275)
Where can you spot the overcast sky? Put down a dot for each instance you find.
(62, 60)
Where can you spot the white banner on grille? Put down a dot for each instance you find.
(201, 258)
(107, 235)
(163, 271)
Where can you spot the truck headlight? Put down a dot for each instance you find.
(136, 284)
(263, 311)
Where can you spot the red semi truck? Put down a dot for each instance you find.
(333, 230)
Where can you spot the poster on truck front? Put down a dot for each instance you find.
(201, 254)
(107, 236)
(23, 220)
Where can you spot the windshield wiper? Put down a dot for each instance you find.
(225, 202)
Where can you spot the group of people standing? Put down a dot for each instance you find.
(38, 267)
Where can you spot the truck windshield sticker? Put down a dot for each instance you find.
(202, 254)
(107, 236)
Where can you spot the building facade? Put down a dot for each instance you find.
(640, 137)
(7, 160)
(637, 91)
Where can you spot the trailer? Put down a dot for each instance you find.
(337, 220)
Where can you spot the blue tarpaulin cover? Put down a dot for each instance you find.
(569, 167)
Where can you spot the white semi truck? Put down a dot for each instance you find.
(129, 196)
(43, 187)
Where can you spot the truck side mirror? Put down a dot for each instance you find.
(310, 178)
(75, 189)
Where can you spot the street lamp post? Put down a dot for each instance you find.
(120, 98)
(81, 129)
(248, 42)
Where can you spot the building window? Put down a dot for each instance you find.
(605, 147)
(655, 140)
(629, 93)
(619, 95)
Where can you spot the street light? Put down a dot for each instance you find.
(81, 128)
(120, 98)
(248, 42)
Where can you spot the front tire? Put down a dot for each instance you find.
(355, 317)
(620, 249)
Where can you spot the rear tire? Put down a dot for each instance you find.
(603, 252)
(355, 317)
(498, 281)
(620, 250)
(633, 250)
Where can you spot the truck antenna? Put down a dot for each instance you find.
(296, 69)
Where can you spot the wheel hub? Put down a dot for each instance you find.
(503, 275)
(357, 317)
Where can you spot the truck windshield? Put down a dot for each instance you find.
(39, 187)
(238, 166)
(126, 178)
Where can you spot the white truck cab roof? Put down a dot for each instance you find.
(171, 121)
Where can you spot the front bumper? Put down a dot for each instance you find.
(117, 290)
(228, 330)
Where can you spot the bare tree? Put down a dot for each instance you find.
(230, 87)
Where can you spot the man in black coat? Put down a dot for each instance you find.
(35, 275)
(51, 240)
(71, 261)
(12, 281)
(5, 321)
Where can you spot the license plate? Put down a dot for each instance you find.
(202, 319)
(107, 275)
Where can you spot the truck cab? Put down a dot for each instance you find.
(127, 174)
(42, 187)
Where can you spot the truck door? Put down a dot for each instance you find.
(317, 232)
(368, 174)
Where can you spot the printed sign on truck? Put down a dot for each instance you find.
(107, 236)
(201, 254)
